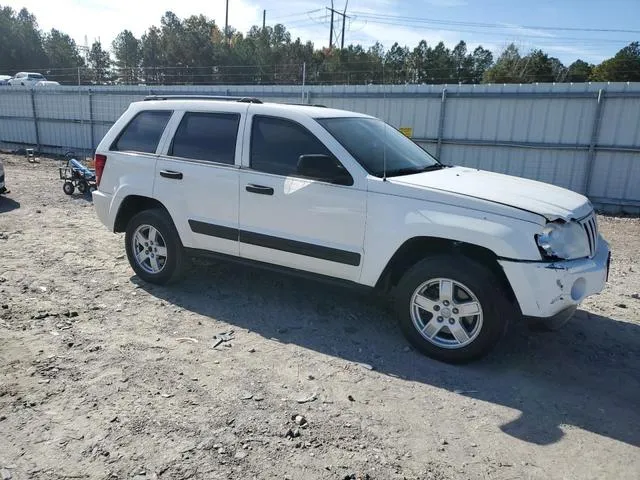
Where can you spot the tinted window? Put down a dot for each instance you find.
(36, 76)
(378, 146)
(276, 145)
(143, 133)
(207, 136)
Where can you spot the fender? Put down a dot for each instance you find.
(391, 224)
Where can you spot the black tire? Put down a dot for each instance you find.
(68, 188)
(174, 262)
(480, 281)
(82, 186)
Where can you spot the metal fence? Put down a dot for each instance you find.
(585, 137)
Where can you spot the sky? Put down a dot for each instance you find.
(490, 23)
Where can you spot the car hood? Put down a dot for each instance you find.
(536, 197)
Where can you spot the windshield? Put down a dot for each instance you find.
(370, 140)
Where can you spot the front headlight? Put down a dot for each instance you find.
(563, 240)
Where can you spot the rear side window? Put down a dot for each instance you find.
(276, 145)
(207, 136)
(143, 133)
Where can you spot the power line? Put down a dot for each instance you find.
(490, 25)
(406, 23)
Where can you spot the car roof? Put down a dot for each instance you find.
(313, 111)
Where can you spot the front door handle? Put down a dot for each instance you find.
(259, 189)
(171, 174)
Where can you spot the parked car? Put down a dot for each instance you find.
(342, 195)
(3, 187)
(4, 80)
(46, 83)
(26, 79)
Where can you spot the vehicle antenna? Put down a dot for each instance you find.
(384, 138)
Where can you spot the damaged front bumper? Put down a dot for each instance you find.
(544, 289)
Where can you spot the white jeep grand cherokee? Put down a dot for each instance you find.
(343, 195)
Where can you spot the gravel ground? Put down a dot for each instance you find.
(105, 377)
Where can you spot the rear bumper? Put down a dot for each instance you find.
(102, 203)
(548, 289)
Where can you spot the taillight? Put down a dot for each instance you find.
(100, 161)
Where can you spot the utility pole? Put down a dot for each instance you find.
(226, 22)
(331, 29)
(264, 19)
(344, 21)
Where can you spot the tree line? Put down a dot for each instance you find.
(195, 50)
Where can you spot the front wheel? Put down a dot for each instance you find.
(153, 247)
(451, 308)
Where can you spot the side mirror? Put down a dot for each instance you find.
(323, 167)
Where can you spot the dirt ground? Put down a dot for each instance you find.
(105, 377)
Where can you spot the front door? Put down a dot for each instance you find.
(308, 224)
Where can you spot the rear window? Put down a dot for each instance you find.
(207, 136)
(143, 133)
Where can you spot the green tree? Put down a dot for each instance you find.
(508, 67)
(396, 65)
(579, 71)
(63, 57)
(128, 53)
(482, 61)
(152, 56)
(623, 67)
(537, 68)
(463, 63)
(20, 41)
(99, 64)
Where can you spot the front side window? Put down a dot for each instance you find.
(143, 133)
(379, 147)
(207, 136)
(277, 144)
(35, 76)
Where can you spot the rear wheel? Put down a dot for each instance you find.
(451, 308)
(153, 247)
(82, 186)
(68, 188)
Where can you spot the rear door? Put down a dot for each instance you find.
(197, 176)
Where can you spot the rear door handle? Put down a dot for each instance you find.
(259, 189)
(171, 174)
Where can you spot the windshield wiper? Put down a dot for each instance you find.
(412, 170)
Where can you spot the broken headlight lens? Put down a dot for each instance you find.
(563, 241)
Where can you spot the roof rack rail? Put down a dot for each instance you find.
(307, 104)
(203, 97)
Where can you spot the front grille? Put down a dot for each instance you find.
(590, 226)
